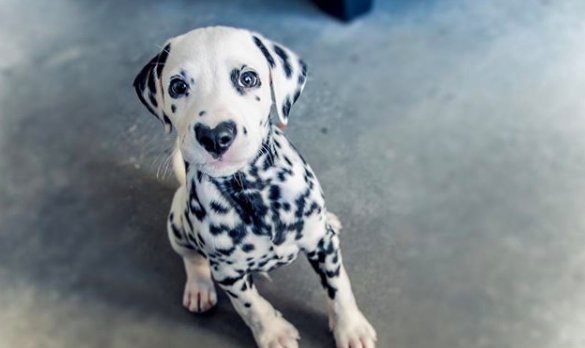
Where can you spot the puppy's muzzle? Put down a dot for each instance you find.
(218, 140)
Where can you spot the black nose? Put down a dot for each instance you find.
(217, 140)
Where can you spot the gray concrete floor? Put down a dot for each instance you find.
(448, 135)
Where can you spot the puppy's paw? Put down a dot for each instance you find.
(277, 333)
(353, 331)
(199, 295)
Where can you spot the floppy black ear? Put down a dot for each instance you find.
(149, 88)
(288, 74)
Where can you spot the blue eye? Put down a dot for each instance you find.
(249, 79)
(178, 88)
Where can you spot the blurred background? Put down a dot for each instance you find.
(449, 136)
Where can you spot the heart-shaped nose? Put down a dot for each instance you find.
(217, 140)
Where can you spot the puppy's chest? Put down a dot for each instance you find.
(252, 222)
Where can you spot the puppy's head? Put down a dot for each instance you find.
(216, 87)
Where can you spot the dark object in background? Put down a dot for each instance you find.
(345, 10)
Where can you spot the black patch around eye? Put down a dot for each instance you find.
(284, 58)
(235, 77)
(264, 51)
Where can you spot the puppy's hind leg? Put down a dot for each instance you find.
(200, 294)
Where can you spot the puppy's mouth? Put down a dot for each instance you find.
(221, 162)
(222, 166)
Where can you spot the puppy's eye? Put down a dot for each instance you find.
(178, 88)
(249, 79)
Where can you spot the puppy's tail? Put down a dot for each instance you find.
(179, 166)
(333, 221)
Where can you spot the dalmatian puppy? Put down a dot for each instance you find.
(248, 201)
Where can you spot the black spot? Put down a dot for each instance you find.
(152, 100)
(324, 130)
(296, 96)
(317, 266)
(237, 234)
(173, 108)
(245, 130)
(162, 59)
(303, 74)
(218, 208)
(264, 51)
(274, 193)
(226, 252)
(202, 113)
(248, 247)
(287, 160)
(286, 107)
(314, 206)
(284, 58)
(247, 305)
(176, 232)
(235, 76)
(257, 98)
(231, 294)
(195, 205)
(166, 120)
(335, 257)
(188, 219)
(216, 230)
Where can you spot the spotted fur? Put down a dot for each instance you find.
(229, 222)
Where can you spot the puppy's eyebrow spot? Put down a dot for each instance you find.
(173, 108)
(202, 113)
(257, 98)
(245, 130)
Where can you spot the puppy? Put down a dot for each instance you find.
(248, 201)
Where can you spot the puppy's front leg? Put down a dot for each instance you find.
(350, 328)
(269, 328)
(199, 295)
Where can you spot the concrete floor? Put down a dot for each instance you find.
(448, 135)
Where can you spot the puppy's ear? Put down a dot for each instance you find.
(149, 88)
(288, 74)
